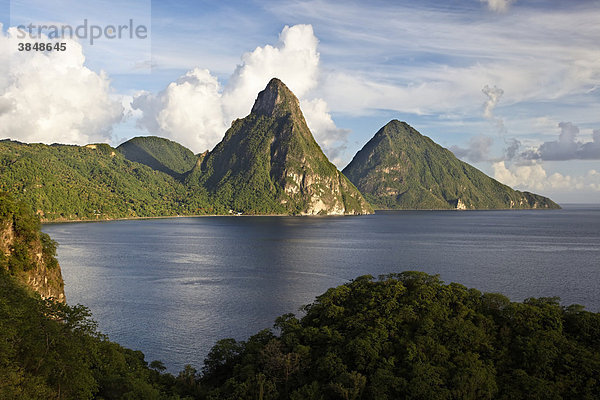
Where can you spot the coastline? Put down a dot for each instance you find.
(65, 221)
(382, 210)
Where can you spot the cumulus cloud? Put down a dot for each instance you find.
(498, 5)
(294, 60)
(190, 110)
(196, 110)
(535, 177)
(52, 97)
(478, 149)
(567, 147)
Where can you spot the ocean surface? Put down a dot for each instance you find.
(173, 287)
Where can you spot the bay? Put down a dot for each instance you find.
(173, 287)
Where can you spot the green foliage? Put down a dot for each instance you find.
(410, 336)
(49, 350)
(49, 251)
(401, 169)
(268, 163)
(62, 182)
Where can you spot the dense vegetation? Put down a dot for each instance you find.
(49, 350)
(62, 182)
(405, 336)
(267, 163)
(401, 169)
(159, 154)
(409, 336)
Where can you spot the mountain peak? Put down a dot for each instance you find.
(275, 96)
(269, 163)
(399, 168)
(395, 126)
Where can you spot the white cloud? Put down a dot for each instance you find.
(50, 96)
(294, 60)
(498, 5)
(493, 97)
(535, 177)
(195, 110)
(189, 111)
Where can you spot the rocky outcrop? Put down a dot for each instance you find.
(27, 253)
(45, 280)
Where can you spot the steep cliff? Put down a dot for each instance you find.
(269, 163)
(27, 253)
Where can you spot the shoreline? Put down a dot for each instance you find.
(65, 221)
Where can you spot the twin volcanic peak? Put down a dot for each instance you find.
(269, 162)
(401, 169)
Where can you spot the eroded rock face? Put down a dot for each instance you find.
(23, 254)
(270, 163)
(48, 282)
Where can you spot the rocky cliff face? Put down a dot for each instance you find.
(401, 169)
(26, 252)
(270, 163)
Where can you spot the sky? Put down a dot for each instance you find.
(510, 86)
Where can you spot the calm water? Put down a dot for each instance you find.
(172, 287)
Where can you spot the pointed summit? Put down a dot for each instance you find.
(276, 98)
(401, 169)
(269, 163)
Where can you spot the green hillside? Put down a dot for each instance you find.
(159, 154)
(269, 162)
(401, 169)
(62, 182)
